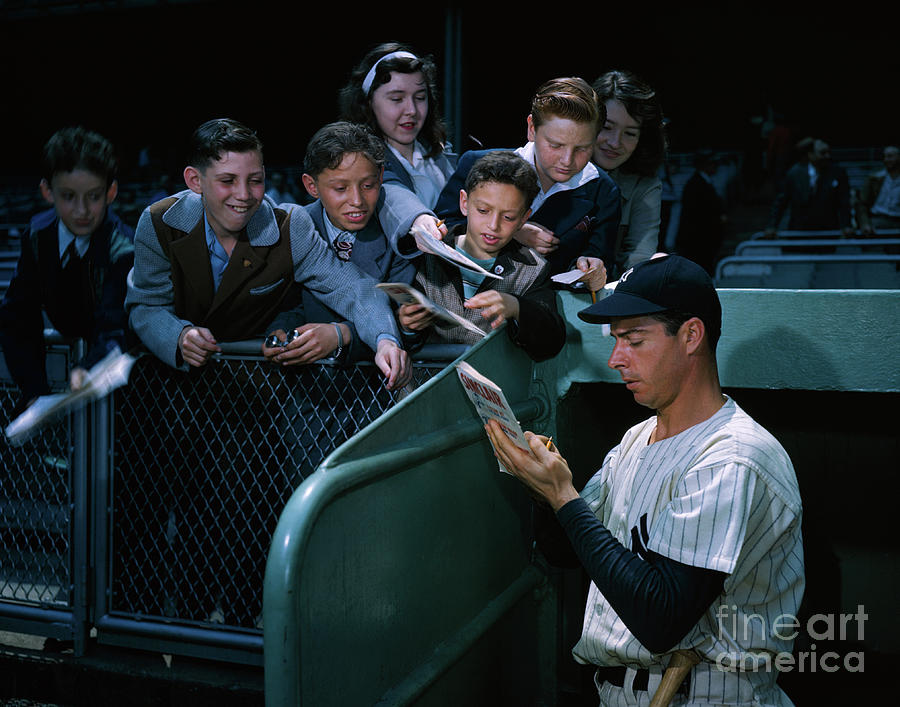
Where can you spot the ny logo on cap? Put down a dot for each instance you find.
(626, 274)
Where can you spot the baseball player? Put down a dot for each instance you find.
(690, 531)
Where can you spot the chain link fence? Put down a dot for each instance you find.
(36, 504)
(199, 466)
(35, 500)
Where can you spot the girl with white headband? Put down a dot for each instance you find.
(393, 91)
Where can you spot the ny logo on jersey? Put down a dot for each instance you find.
(640, 538)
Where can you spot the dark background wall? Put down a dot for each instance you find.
(145, 73)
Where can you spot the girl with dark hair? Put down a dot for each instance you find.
(394, 92)
(631, 148)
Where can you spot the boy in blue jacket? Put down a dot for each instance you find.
(73, 265)
(343, 172)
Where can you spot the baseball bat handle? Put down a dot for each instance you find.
(680, 664)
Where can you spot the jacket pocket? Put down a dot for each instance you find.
(266, 289)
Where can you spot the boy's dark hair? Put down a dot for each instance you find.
(218, 136)
(326, 149)
(504, 167)
(74, 148)
(356, 107)
(571, 98)
(642, 104)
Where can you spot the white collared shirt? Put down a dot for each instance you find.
(589, 173)
(65, 236)
(428, 179)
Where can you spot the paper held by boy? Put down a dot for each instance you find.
(402, 294)
(427, 243)
(108, 374)
(490, 404)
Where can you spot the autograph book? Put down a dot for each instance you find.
(489, 402)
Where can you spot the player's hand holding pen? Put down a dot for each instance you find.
(543, 470)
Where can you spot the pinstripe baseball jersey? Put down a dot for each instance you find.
(720, 495)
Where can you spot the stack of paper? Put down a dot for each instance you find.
(427, 243)
(490, 404)
(107, 375)
(402, 294)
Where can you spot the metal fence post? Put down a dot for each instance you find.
(79, 475)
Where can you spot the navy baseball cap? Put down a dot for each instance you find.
(661, 284)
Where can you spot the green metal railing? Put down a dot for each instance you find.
(403, 555)
(405, 550)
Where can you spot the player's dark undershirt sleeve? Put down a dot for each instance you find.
(659, 599)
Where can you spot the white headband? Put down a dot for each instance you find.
(370, 77)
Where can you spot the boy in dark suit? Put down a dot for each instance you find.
(499, 188)
(73, 264)
(577, 209)
(343, 169)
